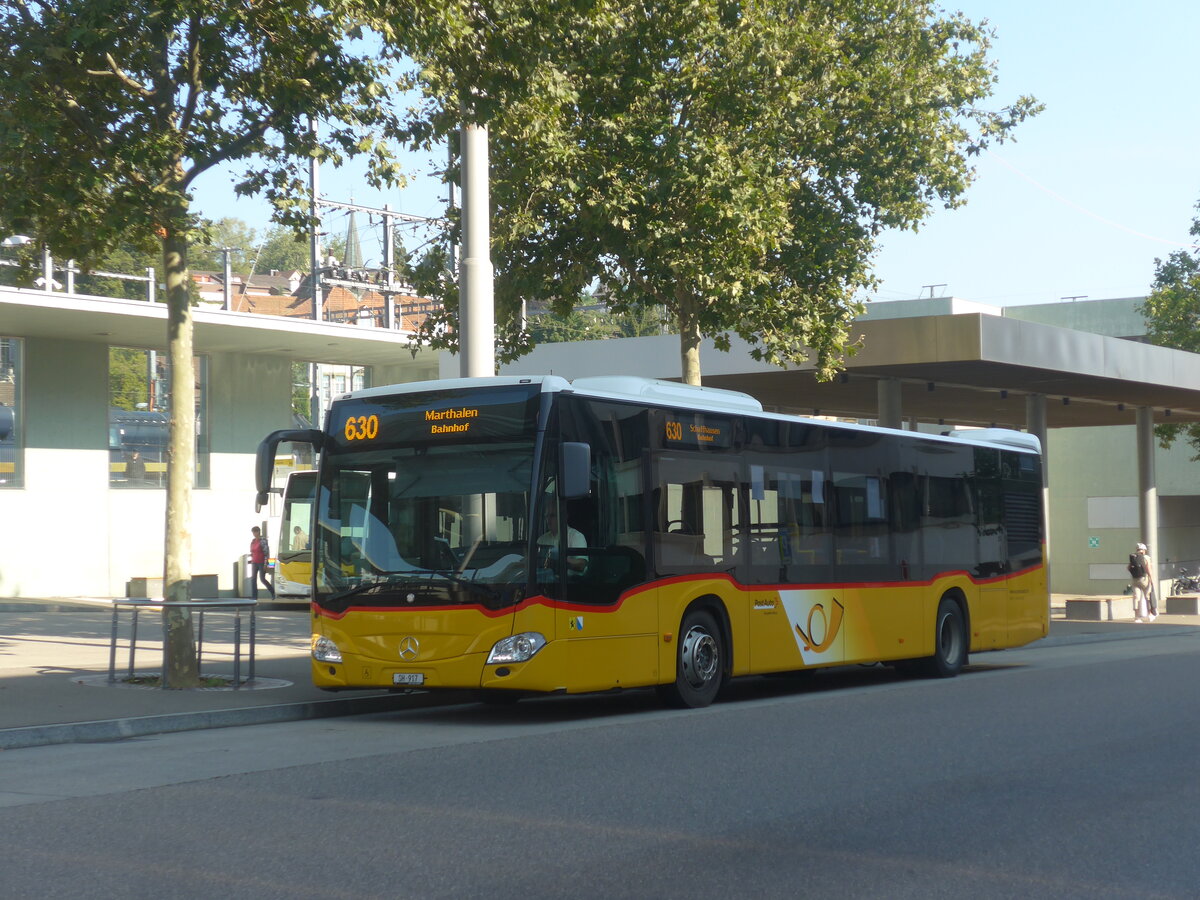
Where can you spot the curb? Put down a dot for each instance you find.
(142, 726)
(1097, 637)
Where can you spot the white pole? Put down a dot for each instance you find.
(477, 316)
(228, 293)
(314, 252)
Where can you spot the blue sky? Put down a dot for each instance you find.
(1093, 190)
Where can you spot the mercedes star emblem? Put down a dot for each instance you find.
(409, 647)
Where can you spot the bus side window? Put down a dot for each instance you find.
(697, 521)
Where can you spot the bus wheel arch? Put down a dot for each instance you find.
(703, 655)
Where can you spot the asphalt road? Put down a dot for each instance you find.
(1061, 770)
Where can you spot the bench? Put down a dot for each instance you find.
(145, 587)
(1099, 609)
(1183, 605)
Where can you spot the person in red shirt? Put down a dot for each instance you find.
(260, 552)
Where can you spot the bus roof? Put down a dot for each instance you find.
(657, 392)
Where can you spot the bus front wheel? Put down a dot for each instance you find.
(699, 662)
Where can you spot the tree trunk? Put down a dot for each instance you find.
(689, 338)
(179, 655)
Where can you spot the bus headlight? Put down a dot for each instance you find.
(325, 650)
(515, 649)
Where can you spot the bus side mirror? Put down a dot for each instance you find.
(264, 461)
(575, 467)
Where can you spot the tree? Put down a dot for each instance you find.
(590, 320)
(285, 250)
(109, 113)
(1172, 311)
(128, 380)
(733, 162)
(230, 233)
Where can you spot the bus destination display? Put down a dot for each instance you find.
(434, 417)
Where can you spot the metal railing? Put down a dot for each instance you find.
(198, 606)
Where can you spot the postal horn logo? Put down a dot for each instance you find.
(827, 626)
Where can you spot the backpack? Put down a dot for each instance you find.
(1136, 567)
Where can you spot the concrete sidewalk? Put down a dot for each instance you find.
(54, 664)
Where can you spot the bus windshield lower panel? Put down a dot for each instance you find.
(424, 526)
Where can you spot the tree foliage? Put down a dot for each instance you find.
(128, 379)
(285, 250)
(208, 254)
(732, 161)
(110, 112)
(1172, 311)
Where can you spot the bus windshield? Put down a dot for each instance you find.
(424, 525)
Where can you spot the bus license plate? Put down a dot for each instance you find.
(409, 678)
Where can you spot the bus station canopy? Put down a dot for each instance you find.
(964, 369)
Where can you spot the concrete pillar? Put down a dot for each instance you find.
(1148, 492)
(1035, 424)
(888, 392)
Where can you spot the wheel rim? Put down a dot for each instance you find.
(700, 657)
(950, 638)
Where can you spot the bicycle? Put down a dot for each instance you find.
(1185, 583)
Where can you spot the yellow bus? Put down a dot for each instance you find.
(293, 556)
(532, 535)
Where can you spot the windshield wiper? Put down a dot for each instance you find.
(367, 587)
(468, 583)
(397, 581)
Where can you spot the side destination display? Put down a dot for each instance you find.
(697, 430)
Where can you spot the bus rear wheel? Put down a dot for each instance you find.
(949, 640)
(699, 662)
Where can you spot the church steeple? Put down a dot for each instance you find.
(353, 257)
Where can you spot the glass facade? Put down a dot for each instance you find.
(11, 444)
(139, 399)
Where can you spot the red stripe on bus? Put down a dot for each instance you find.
(542, 600)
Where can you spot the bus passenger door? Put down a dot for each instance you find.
(609, 626)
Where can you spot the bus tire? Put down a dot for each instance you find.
(949, 640)
(699, 662)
